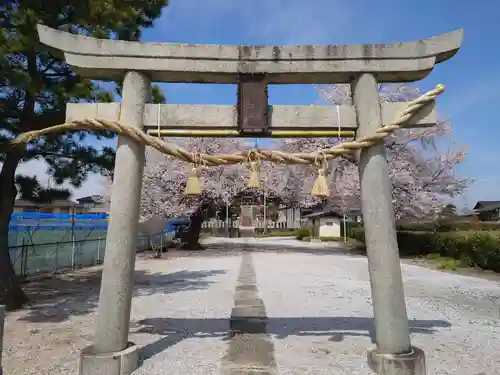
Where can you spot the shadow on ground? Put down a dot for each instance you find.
(175, 330)
(227, 248)
(59, 297)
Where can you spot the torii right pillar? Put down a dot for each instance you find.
(393, 353)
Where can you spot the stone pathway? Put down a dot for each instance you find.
(313, 316)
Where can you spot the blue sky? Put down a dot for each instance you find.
(471, 77)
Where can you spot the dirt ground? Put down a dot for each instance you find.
(47, 335)
(56, 324)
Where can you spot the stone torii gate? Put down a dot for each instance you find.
(252, 68)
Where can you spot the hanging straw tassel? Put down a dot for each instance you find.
(254, 175)
(254, 167)
(193, 185)
(320, 187)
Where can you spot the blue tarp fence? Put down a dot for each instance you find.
(51, 221)
(50, 242)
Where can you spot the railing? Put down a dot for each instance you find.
(31, 259)
(217, 228)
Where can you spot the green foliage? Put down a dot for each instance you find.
(357, 234)
(278, 233)
(447, 225)
(349, 227)
(31, 190)
(302, 232)
(447, 263)
(468, 248)
(35, 85)
(331, 239)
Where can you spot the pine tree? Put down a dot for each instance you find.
(34, 88)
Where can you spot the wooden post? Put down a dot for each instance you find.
(253, 113)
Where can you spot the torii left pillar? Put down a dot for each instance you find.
(111, 352)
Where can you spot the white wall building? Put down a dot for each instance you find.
(324, 224)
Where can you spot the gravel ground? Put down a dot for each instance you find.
(291, 242)
(320, 315)
(167, 311)
(319, 309)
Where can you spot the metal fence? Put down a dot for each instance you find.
(31, 259)
(218, 228)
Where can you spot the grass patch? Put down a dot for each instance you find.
(448, 263)
(331, 239)
(277, 233)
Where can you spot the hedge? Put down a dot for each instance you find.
(449, 225)
(476, 248)
(278, 233)
(298, 233)
(301, 233)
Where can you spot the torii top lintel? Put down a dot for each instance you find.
(204, 63)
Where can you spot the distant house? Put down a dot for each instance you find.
(55, 207)
(290, 216)
(324, 224)
(350, 215)
(90, 204)
(93, 204)
(488, 210)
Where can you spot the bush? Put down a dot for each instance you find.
(466, 248)
(330, 239)
(357, 234)
(349, 227)
(416, 243)
(302, 232)
(449, 224)
(481, 249)
(278, 233)
(306, 239)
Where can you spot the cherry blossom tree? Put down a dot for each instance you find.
(165, 180)
(422, 166)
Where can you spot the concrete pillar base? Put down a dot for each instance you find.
(123, 362)
(412, 363)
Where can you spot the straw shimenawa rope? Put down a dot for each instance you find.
(239, 157)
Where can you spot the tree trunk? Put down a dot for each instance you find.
(191, 239)
(11, 293)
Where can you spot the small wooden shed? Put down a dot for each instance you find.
(324, 224)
